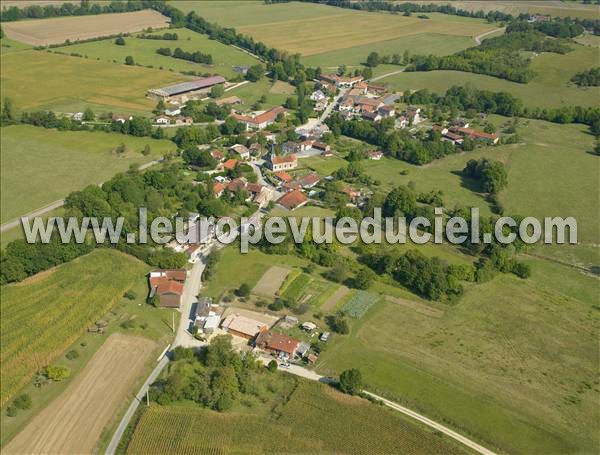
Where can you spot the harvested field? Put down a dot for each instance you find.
(42, 32)
(416, 306)
(74, 422)
(271, 281)
(332, 301)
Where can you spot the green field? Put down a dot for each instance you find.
(551, 87)
(43, 315)
(40, 166)
(296, 426)
(144, 53)
(8, 46)
(344, 36)
(424, 43)
(42, 80)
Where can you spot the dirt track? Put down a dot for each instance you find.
(42, 32)
(73, 422)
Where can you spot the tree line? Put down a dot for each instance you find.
(165, 36)
(196, 57)
(84, 8)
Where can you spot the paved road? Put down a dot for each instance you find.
(114, 442)
(329, 108)
(54, 205)
(479, 37)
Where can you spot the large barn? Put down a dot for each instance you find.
(187, 87)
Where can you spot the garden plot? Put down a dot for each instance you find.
(271, 281)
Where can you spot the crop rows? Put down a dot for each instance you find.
(359, 303)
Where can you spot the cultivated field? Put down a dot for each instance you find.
(296, 426)
(46, 313)
(337, 296)
(42, 80)
(328, 36)
(73, 423)
(144, 53)
(551, 87)
(552, 7)
(271, 281)
(62, 161)
(42, 32)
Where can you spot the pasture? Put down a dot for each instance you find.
(42, 32)
(40, 166)
(74, 422)
(144, 53)
(36, 80)
(46, 313)
(551, 87)
(294, 426)
(511, 350)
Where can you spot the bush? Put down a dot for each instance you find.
(128, 324)
(243, 290)
(57, 372)
(272, 366)
(22, 401)
(11, 411)
(130, 295)
(120, 41)
(277, 305)
(73, 354)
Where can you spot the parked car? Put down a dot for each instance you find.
(324, 336)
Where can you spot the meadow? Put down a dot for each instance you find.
(551, 87)
(510, 351)
(144, 53)
(36, 80)
(44, 314)
(40, 166)
(295, 426)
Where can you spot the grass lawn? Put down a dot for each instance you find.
(144, 53)
(295, 425)
(549, 88)
(250, 93)
(510, 351)
(42, 80)
(40, 166)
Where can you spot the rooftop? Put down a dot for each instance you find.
(191, 85)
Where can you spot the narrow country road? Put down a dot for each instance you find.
(309, 374)
(479, 37)
(386, 75)
(55, 205)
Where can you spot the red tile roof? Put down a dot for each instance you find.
(283, 176)
(218, 188)
(268, 116)
(281, 159)
(170, 286)
(292, 199)
(230, 164)
(277, 342)
(310, 179)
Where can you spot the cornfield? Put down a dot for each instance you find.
(316, 419)
(45, 314)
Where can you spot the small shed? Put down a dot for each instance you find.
(309, 326)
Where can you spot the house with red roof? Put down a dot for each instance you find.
(293, 200)
(261, 121)
(279, 345)
(168, 286)
(282, 163)
(230, 164)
